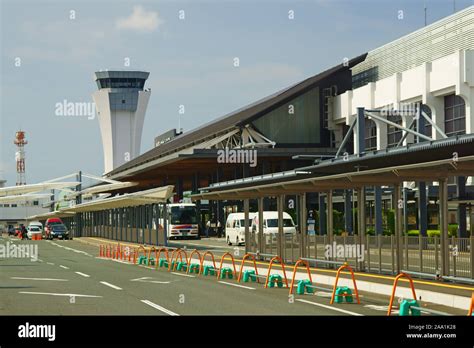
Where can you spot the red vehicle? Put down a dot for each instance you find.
(49, 223)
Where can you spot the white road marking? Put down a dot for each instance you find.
(330, 307)
(82, 274)
(47, 279)
(183, 274)
(55, 294)
(50, 263)
(71, 249)
(63, 267)
(111, 285)
(164, 310)
(240, 286)
(146, 280)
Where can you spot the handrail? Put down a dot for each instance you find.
(306, 263)
(174, 256)
(222, 260)
(356, 292)
(270, 267)
(242, 267)
(158, 253)
(195, 251)
(401, 275)
(202, 261)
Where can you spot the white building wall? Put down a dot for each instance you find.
(428, 83)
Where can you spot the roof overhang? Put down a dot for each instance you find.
(16, 190)
(155, 195)
(428, 171)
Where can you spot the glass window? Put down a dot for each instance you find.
(301, 125)
(394, 134)
(370, 135)
(454, 115)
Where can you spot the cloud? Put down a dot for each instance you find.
(140, 20)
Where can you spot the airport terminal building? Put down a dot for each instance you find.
(412, 96)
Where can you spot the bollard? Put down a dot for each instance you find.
(406, 310)
(275, 278)
(226, 271)
(249, 275)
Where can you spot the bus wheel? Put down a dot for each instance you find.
(228, 241)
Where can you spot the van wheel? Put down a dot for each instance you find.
(228, 241)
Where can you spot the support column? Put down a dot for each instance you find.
(330, 218)
(260, 237)
(360, 127)
(378, 210)
(405, 209)
(461, 213)
(361, 220)
(422, 209)
(246, 224)
(280, 204)
(398, 228)
(348, 211)
(322, 214)
(303, 227)
(443, 225)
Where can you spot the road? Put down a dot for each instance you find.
(70, 279)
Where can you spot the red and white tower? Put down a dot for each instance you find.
(20, 142)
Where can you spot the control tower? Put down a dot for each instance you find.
(121, 103)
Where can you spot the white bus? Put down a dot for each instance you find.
(183, 221)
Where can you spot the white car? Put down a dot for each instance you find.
(34, 230)
(235, 227)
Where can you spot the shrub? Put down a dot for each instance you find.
(413, 233)
(453, 230)
(370, 232)
(433, 233)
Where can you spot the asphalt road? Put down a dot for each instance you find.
(70, 279)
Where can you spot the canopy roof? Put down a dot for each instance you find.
(426, 171)
(155, 195)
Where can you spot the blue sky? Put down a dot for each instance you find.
(190, 61)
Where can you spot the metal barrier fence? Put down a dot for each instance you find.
(374, 253)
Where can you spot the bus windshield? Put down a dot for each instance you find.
(184, 215)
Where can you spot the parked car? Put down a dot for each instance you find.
(235, 227)
(48, 225)
(58, 231)
(34, 230)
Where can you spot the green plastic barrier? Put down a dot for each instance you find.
(406, 310)
(194, 268)
(275, 278)
(142, 260)
(302, 286)
(226, 271)
(209, 270)
(340, 291)
(163, 263)
(249, 275)
(182, 266)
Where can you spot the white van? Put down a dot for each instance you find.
(270, 223)
(235, 227)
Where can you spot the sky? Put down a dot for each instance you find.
(51, 49)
